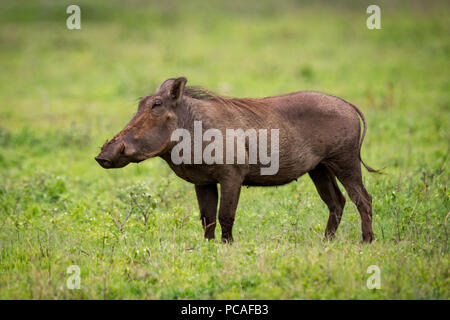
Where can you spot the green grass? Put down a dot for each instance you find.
(63, 93)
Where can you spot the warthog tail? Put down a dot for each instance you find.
(362, 139)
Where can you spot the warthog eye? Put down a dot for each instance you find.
(157, 103)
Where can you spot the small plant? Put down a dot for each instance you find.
(139, 200)
(118, 221)
(144, 204)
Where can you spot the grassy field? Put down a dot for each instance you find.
(63, 93)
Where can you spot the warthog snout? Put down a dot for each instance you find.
(112, 156)
(105, 163)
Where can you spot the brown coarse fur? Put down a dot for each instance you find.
(318, 134)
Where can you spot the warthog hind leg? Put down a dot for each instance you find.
(349, 174)
(326, 185)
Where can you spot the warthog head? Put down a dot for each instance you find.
(148, 133)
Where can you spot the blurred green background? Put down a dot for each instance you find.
(64, 92)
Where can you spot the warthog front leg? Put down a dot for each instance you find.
(229, 198)
(207, 202)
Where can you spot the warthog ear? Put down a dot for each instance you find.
(177, 89)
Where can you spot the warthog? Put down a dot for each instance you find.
(318, 134)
